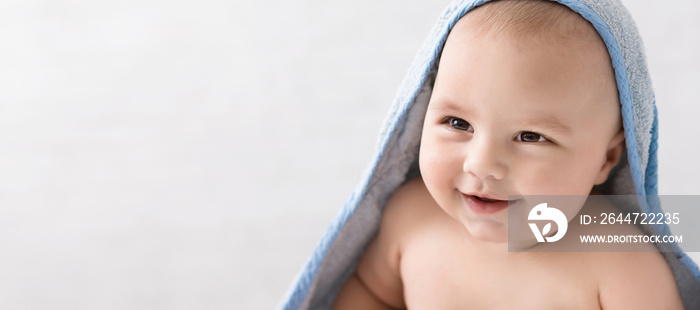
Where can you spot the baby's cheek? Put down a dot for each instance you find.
(435, 167)
(429, 164)
(556, 179)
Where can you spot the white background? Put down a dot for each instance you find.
(189, 154)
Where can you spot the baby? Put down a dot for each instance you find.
(524, 103)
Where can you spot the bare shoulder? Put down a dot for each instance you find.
(637, 280)
(378, 270)
(410, 202)
(407, 213)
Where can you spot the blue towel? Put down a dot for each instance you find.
(396, 157)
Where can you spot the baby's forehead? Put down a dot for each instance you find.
(536, 20)
(543, 25)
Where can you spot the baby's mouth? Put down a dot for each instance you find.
(483, 204)
(486, 199)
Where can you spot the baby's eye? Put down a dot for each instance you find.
(459, 124)
(529, 136)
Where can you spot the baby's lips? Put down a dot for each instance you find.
(489, 197)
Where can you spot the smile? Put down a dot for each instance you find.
(484, 205)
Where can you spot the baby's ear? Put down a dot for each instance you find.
(612, 156)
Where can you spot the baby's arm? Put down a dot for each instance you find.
(376, 283)
(640, 280)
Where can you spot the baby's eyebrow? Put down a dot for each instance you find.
(547, 122)
(447, 106)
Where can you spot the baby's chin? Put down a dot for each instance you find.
(487, 230)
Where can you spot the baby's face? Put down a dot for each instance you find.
(511, 117)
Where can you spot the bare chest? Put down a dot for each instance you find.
(438, 272)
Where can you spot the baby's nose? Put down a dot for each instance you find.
(485, 159)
